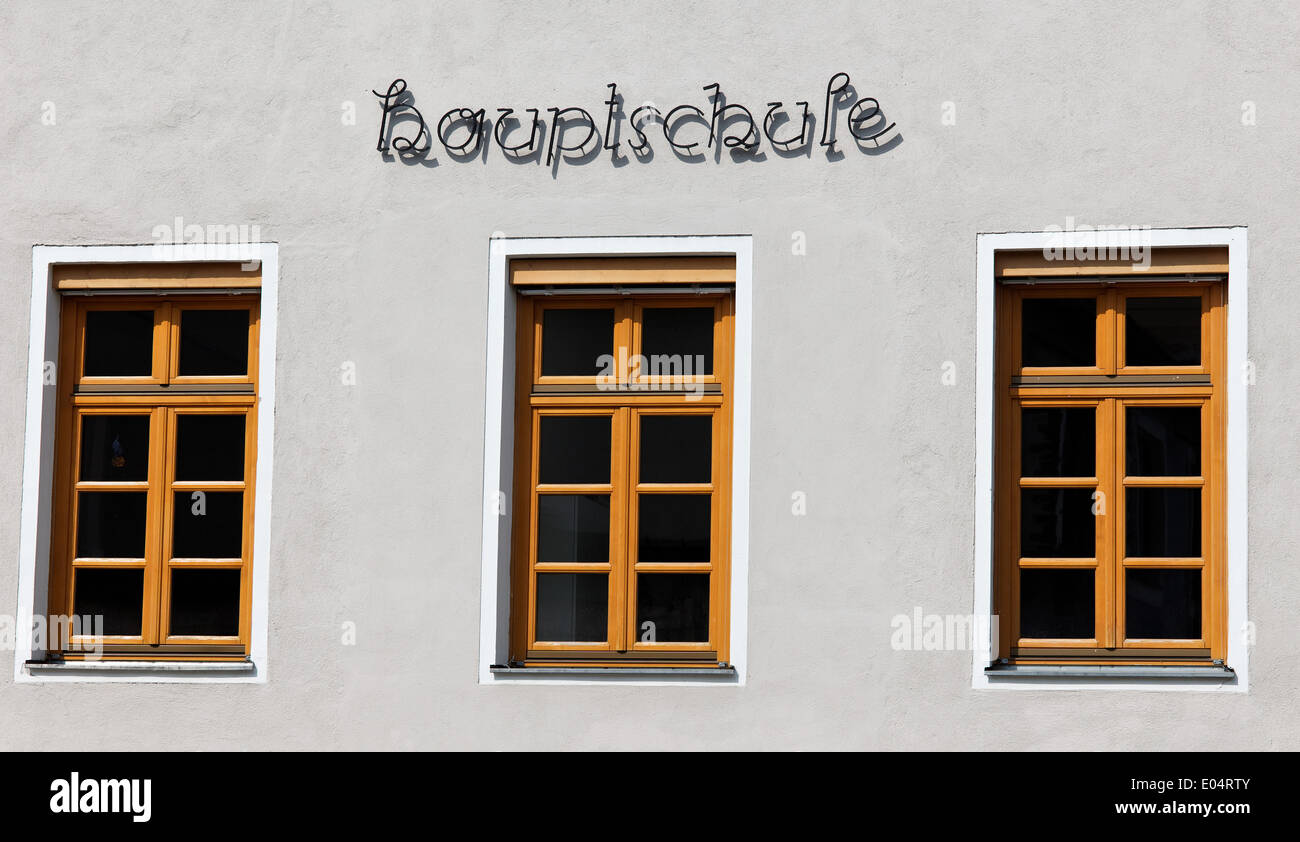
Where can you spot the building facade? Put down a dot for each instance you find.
(585, 375)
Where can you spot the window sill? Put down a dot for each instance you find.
(614, 672)
(141, 668)
(1104, 671)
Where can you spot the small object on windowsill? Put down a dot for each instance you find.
(55, 664)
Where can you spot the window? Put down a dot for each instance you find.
(155, 459)
(620, 550)
(1110, 525)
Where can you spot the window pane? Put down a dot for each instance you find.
(119, 343)
(572, 607)
(573, 528)
(1057, 523)
(574, 449)
(205, 602)
(114, 448)
(115, 595)
(672, 607)
(677, 341)
(1162, 441)
(208, 524)
(111, 524)
(1057, 603)
(213, 342)
(1163, 522)
(673, 527)
(676, 448)
(1162, 604)
(573, 341)
(1058, 442)
(1059, 331)
(1162, 331)
(209, 447)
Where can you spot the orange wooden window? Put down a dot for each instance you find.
(622, 478)
(155, 456)
(1110, 532)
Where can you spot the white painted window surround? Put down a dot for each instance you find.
(38, 459)
(498, 443)
(1238, 651)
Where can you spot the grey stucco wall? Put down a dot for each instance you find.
(1110, 112)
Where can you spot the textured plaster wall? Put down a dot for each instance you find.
(1111, 112)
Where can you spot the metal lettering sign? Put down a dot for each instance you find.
(573, 135)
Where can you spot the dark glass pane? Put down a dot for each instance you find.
(1162, 441)
(675, 605)
(1162, 331)
(205, 602)
(573, 527)
(1057, 523)
(1162, 604)
(673, 527)
(1162, 522)
(676, 448)
(677, 341)
(119, 343)
(208, 524)
(115, 595)
(572, 606)
(574, 448)
(1057, 603)
(1058, 442)
(1059, 331)
(111, 524)
(209, 447)
(573, 342)
(114, 448)
(213, 342)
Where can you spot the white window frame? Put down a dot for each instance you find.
(38, 465)
(498, 444)
(986, 334)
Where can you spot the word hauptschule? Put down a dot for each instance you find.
(573, 133)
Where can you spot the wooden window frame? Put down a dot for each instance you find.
(629, 399)
(1111, 386)
(164, 395)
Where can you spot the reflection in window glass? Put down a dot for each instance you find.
(1058, 442)
(676, 448)
(213, 343)
(1059, 332)
(115, 595)
(1162, 331)
(119, 343)
(1057, 603)
(205, 602)
(574, 340)
(672, 607)
(114, 448)
(1162, 441)
(574, 449)
(1162, 604)
(572, 607)
(1057, 523)
(677, 340)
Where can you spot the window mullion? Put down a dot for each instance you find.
(1109, 552)
(621, 509)
(158, 519)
